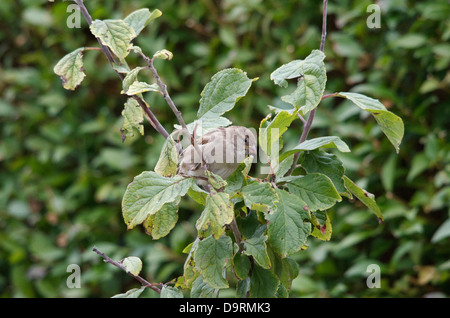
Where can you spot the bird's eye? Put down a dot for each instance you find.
(246, 139)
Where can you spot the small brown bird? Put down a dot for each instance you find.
(223, 150)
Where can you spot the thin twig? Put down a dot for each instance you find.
(149, 114)
(143, 282)
(92, 49)
(166, 96)
(329, 95)
(324, 25)
(308, 124)
(165, 93)
(301, 118)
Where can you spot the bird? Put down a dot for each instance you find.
(223, 149)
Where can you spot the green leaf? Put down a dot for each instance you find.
(215, 180)
(259, 196)
(130, 78)
(237, 179)
(410, 41)
(241, 265)
(254, 238)
(310, 87)
(115, 34)
(132, 265)
(285, 268)
(132, 293)
(162, 222)
(210, 258)
(141, 87)
(263, 283)
(316, 143)
(222, 92)
(271, 131)
(217, 213)
(328, 164)
(136, 49)
(283, 167)
(170, 292)
(242, 288)
(255, 246)
(282, 292)
(391, 125)
(316, 190)
(200, 289)
(197, 194)
(442, 232)
(121, 68)
(190, 273)
(168, 159)
(70, 69)
(139, 19)
(368, 199)
(148, 193)
(133, 117)
(286, 229)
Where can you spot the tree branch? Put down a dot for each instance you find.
(324, 25)
(307, 126)
(237, 234)
(143, 282)
(329, 95)
(149, 114)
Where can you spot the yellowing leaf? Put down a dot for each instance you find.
(148, 193)
(168, 159)
(115, 34)
(368, 199)
(141, 87)
(270, 132)
(217, 213)
(162, 222)
(132, 265)
(133, 117)
(210, 258)
(163, 54)
(170, 292)
(70, 69)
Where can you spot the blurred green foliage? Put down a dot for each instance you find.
(64, 169)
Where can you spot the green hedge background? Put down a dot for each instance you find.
(64, 169)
